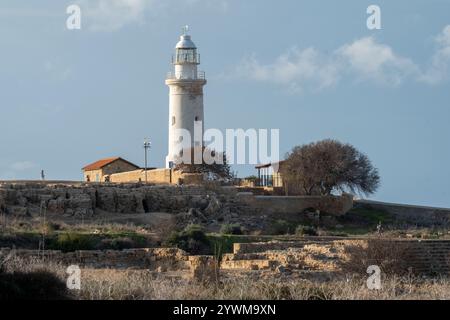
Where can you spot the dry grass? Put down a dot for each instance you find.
(390, 256)
(111, 284)
(17, 225)
(114, 284)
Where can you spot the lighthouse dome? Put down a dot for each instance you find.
(185, 42)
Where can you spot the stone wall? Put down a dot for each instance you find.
(344, 255)
(199, 268)
(93, 175)
(145, 258)
(202, 204)
(337, 255)
(410, 214)
(84, 199)
(129, 176)
(337, 205)
(157, 176)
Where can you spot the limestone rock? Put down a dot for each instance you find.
(213, 206)
(204, 269)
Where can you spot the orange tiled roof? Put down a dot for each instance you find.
(103, 162)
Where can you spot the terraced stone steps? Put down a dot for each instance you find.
(419, 256)
(249, 264)
(303, 255)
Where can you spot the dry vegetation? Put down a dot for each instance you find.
(114, 284)
(143, 284)
(138, 285)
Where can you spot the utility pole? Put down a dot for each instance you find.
(147, 145)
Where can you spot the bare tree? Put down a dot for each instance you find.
(203, 160)
(326, 166)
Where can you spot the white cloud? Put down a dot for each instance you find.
(364, 59)
(296, 69)
(440, 62)
(370, 60)
(111, 15)
(30, 12)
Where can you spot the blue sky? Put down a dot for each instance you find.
(309, 68)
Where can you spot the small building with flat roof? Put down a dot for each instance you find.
(269, 175)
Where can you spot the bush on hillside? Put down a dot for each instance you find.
(231, 229)
(192, 239)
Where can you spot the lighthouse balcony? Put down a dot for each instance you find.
(186, 75)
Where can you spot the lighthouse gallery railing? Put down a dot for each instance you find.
(185, 75)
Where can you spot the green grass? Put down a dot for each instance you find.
(75, 240)
(351, 231)
(361, 221)
(225, 242)
(373, 216)
(70, 241)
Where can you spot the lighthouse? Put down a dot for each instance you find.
(185, 98)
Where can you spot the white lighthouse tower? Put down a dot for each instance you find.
(185, 97)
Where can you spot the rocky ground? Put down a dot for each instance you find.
(125, 203)
(76, 216)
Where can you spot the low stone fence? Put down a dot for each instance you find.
(337, 205)
(146, 258)
(348, 255)
(157, 176)
(339, 255)
(411, 214)
(199, 268)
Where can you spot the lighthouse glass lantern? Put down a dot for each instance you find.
(186, 55)
(186, 58)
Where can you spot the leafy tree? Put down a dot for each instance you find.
(328, 165)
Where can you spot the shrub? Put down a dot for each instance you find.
(391, 256)
(41, 285)
(280, 227)
(48, 228)
(192, 239)
(67, 242)
(117, 244)
(305, 231)
(231, 229)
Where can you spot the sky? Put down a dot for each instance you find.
(311, 69)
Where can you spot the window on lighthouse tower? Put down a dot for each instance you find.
(173, 120)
